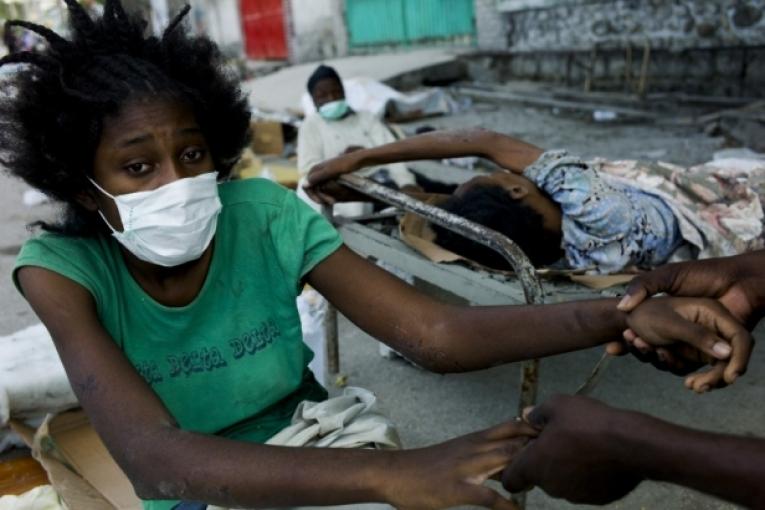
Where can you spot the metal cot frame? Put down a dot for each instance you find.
(479, 287)
(476, 286)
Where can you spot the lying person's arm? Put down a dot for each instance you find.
(590, 453)
(165, 462)
(506, 151)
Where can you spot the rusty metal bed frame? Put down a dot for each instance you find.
(530, 284)
(479, 287)
(476, 286)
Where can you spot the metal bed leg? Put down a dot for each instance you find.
(528, 397)
(525, 272)
(333, 345)
(529, 382)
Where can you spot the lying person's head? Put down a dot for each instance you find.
(327, 92)
(512, 206)
(112, 106)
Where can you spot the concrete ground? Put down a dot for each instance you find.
(430, 408)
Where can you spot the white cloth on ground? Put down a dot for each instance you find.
(39, 498)
(312, 308)
(351, 420)
(33, 382)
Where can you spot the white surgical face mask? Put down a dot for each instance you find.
(170, 225)
(334, 110)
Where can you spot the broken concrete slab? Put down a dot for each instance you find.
(281, 91)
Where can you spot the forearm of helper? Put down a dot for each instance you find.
(729, 467)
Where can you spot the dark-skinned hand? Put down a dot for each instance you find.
(693, 331)
(575, 456)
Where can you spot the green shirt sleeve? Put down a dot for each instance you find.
(70, 257)
(303, 238)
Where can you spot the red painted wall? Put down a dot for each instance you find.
(263, 25)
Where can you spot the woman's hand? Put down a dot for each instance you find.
(692, 330)
(453, 473)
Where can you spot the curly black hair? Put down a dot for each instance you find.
(493, 207)
(51, 127)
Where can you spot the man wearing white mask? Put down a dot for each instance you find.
(337, 129)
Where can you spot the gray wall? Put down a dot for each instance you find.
(700, 46)
(491, 26)
(670, 24)
(316, 30)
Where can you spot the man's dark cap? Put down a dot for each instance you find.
(321, 73)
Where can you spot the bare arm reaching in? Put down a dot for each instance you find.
(736, 282)
(590, 453)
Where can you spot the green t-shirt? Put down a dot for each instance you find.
(233, 361)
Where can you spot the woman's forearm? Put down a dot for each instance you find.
(451, 338)
(471, 338)
(189, 466)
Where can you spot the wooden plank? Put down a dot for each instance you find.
(556, 103)
(478, 288)
(752, 111)
(679, 97)
(20, 475)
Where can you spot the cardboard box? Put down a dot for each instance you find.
(79, 466)
(283, 171)
(267, 137)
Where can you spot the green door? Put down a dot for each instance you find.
(403, 22)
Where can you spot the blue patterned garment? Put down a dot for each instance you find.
(607, 226)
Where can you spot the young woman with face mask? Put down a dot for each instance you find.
(170, 295)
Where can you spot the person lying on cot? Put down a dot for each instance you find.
(601, 216)
(170, 293)
(590, 453)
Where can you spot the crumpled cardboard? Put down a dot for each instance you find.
(267, 137)
(79, 466)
